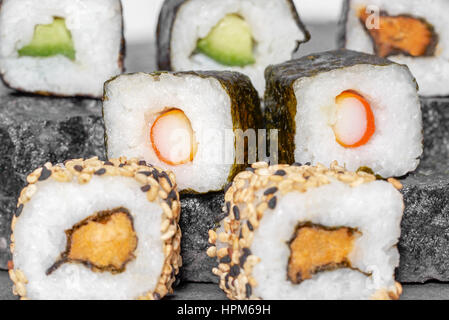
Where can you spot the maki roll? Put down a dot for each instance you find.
(238, 35)
(182, 121)
(361, 110)
(302, 232)
(61, 47)
(405, 31)
(96, 230)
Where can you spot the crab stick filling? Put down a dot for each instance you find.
(354, 125)
(315, 249)
(172, 138)
(401, 34)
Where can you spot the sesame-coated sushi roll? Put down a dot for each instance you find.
(410, 32)
(239, 35)
(358, 109)
(302, 232)
(61, 47)
(96, 230)
(184, 122)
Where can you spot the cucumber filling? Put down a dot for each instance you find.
(50, 40)
(230, 42)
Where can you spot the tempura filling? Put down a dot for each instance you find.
(316, 248)
(402, 34)
(104, 242)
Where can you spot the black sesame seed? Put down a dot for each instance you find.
(236, 212)
(227, 187)
(280, 173)
(235, 271)
(245, 255)
(145, 173)
(108, 163)
(228, 208)
(121, 165)
(100, 172)
(248, 290)
(78, 168)
(45, 174)
(156, 296)
(146, 188)
(142, 163)
(308, 163)
(271, 190)
(172, 195)
(297, 164)
(226, 279)
(225, 259)
(272, 203)
(250, 226)
(19, 210)
(165, 175)
(155, 174)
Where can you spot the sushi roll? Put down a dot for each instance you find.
(184, 122)
(406, 31)
(61, 47)
(359, 109)
(239, 35)
(302, 232)
(96, 230)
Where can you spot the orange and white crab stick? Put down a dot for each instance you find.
(355, 123)
(173, 138)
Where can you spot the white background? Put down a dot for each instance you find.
(141, 15)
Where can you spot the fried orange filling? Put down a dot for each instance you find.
(315, 249)
(401, 34)
(105, 241)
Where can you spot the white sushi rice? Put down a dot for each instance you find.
(432, 73)
(56, 207)
(396, 145)
(375, 209)
(96, 28)
(273, 28)
(133, 103)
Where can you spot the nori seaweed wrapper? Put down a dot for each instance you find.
(245, 105)
(167, 18)
(341, 35)
(280, 99)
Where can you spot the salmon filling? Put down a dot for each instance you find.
(401, 35)
(354, 125)
(315, 249)
(105, 241)
(172, 138)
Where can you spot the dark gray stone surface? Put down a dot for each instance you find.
(35, 130)
(424, 244)
(435, 113)
(198, 215)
